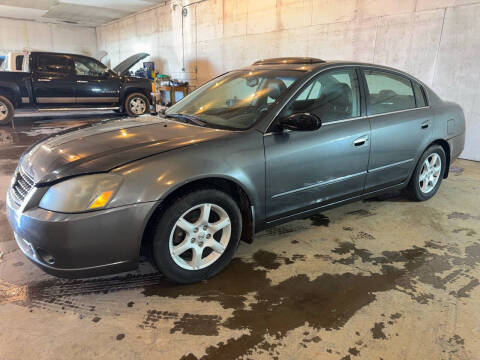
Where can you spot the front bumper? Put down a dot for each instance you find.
(80, 245)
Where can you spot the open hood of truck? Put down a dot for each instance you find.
(127, 64)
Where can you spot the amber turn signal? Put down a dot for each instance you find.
(101, 200)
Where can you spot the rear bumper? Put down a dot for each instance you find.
(80, 245)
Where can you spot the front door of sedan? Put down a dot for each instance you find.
(53, 79)
(401, 127)
(95, 84)
(308, 169)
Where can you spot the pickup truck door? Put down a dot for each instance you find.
(95, 83)
(53, 82)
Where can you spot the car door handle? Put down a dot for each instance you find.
(82, 81)
(425, 125)
(360, 141)
(44, 80)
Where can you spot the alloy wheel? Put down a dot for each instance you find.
(430, 173)
(138, 105)
(200, 236)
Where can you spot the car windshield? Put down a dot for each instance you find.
(235, 100)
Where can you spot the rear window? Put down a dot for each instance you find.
(54, 63)
(388, 92)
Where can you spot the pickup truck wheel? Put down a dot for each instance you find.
(136, 104)
(197, 236)
(7, 111)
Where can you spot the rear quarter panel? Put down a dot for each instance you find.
(449, 125)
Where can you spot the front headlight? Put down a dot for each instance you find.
(82, 193)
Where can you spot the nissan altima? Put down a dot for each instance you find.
(250, 149)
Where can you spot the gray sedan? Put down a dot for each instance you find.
(253, 148)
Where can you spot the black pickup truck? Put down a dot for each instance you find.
(72, 82)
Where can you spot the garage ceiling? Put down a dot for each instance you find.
(81, 12)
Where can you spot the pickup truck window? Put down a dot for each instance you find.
(89, 67)
(19, 63)
(54, 63)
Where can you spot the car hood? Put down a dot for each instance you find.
(126, 65)
(102, 146)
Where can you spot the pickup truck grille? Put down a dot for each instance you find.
(21, 186)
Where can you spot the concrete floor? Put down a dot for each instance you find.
(378, 279)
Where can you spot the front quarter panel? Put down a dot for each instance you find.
(238, 157)
(138, 84)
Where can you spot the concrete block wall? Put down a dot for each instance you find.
(437, 41)
(17, 35)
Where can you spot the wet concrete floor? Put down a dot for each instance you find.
(384, 278)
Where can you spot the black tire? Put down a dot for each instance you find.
(166, 224)
(130, 107)
(6, 116)
(414, 188)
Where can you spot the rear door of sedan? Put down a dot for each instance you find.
(401, 128)
(308, 169)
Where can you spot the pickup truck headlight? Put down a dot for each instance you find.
(82, 193)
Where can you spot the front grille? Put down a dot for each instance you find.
(21, 186)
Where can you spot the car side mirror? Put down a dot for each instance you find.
(301, 122)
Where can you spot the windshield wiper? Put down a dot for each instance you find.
(191, 118)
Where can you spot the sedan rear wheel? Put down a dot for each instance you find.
(197, 236)
(428, 174)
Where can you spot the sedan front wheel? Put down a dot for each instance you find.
(197, 236)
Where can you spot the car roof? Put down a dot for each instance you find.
(313, 64)
(289, 60)
(58, 53)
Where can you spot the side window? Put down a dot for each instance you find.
(333, 95)
(54, 63)
(19, 63)
(419, 95)
(89, 67)
(388, 92)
